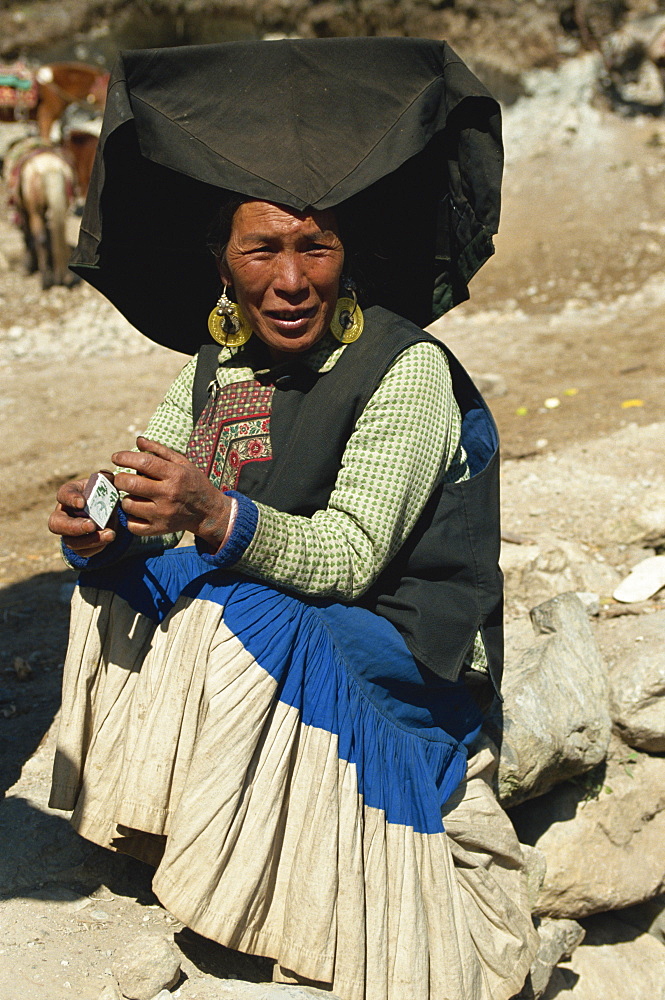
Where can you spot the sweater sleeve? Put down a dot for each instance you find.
(410, 428)
(171, 424)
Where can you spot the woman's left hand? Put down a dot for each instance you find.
(169, 494)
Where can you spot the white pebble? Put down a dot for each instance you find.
(643, 581)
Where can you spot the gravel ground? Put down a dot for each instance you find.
(568, 317)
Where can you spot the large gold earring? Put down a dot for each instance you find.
(227, 323)
(348, 321)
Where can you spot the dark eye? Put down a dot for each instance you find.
(254, 251)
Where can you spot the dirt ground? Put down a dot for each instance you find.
(569, 316)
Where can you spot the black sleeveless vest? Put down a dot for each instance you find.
(445, 583)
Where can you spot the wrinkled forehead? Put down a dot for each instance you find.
(255, 217)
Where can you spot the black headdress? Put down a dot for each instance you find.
(396, 132)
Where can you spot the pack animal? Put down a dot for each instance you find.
(43, 95)
(62, 84)
(80, 127)
(41, 185)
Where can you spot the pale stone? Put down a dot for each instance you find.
(555, 720)
(604, 852)
(146, 966)
(110, 992)
(643, 581)
(636, 660)
(614, 965)
(643, 525)
(590, 601)
(234, 989)
(490, 385)
(558, 940)
(535, 867)
(550, 566)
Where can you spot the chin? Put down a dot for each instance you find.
(292, 345)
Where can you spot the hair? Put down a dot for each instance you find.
(219, 232)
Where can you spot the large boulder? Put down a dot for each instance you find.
(551, 565)
(555, 721)
(635, 652)
(603, 838)
(613, 963)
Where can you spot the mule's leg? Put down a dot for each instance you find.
(55, 189)
(31, 264)
(31, 192)
(39, 235)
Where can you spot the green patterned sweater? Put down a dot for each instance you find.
(410, 426)
(409, 430)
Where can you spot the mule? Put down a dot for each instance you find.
(62, 84)
(41, 185)
(43, 95)
(80, 128)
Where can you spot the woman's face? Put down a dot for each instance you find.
(285, 268)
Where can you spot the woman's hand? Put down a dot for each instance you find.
(169, 493)
(78, 532)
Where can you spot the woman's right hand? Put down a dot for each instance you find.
(78, 532)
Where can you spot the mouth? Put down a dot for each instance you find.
(290, 320)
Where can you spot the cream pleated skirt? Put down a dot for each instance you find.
(303, 792)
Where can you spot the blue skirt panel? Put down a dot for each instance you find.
(344, 669)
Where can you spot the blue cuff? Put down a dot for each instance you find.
(242, 533)
(111, 554)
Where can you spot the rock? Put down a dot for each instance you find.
(558, 940)
(535, 867)
(110, 992)
(590, 601)
(490, 386)
(555, 721)
(613, 964)
(604, 852)
(550, 566)
(643, 581)
(648, 917)
(234, 989)
(151, 963)
(636, 663)
(22, 669)
(647, 90)
(643, 525)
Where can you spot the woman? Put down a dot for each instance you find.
(280, 718)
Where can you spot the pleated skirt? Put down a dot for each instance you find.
(303, 790)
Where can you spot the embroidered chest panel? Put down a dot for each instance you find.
(233, 429)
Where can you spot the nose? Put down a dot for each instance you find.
(290, 278)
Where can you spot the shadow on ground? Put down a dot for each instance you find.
(40, 853)
(34, 619)
(215, 960)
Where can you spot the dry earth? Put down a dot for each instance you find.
(570, 309)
